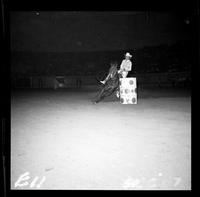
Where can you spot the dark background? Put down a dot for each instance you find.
(84, 42)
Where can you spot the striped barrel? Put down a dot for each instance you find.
(128, 90)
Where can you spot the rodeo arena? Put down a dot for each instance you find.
(100, 100)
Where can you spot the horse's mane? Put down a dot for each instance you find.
(113, 70)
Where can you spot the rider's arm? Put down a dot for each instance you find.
(121, 67)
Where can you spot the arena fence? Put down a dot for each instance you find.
(158, 79)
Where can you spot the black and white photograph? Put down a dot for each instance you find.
(100, 100)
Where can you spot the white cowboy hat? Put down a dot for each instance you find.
(128, 54)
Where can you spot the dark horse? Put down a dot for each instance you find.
(111, 85)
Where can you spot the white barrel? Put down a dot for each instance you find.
(128, 90)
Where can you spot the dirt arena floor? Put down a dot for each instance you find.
(60, 140)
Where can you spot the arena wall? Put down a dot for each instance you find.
(158, 79)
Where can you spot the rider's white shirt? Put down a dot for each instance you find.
(126, 65)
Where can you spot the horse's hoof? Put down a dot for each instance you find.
(103, 82)
(94, 102)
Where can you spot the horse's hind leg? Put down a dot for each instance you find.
(105, 92)
(99, 95)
